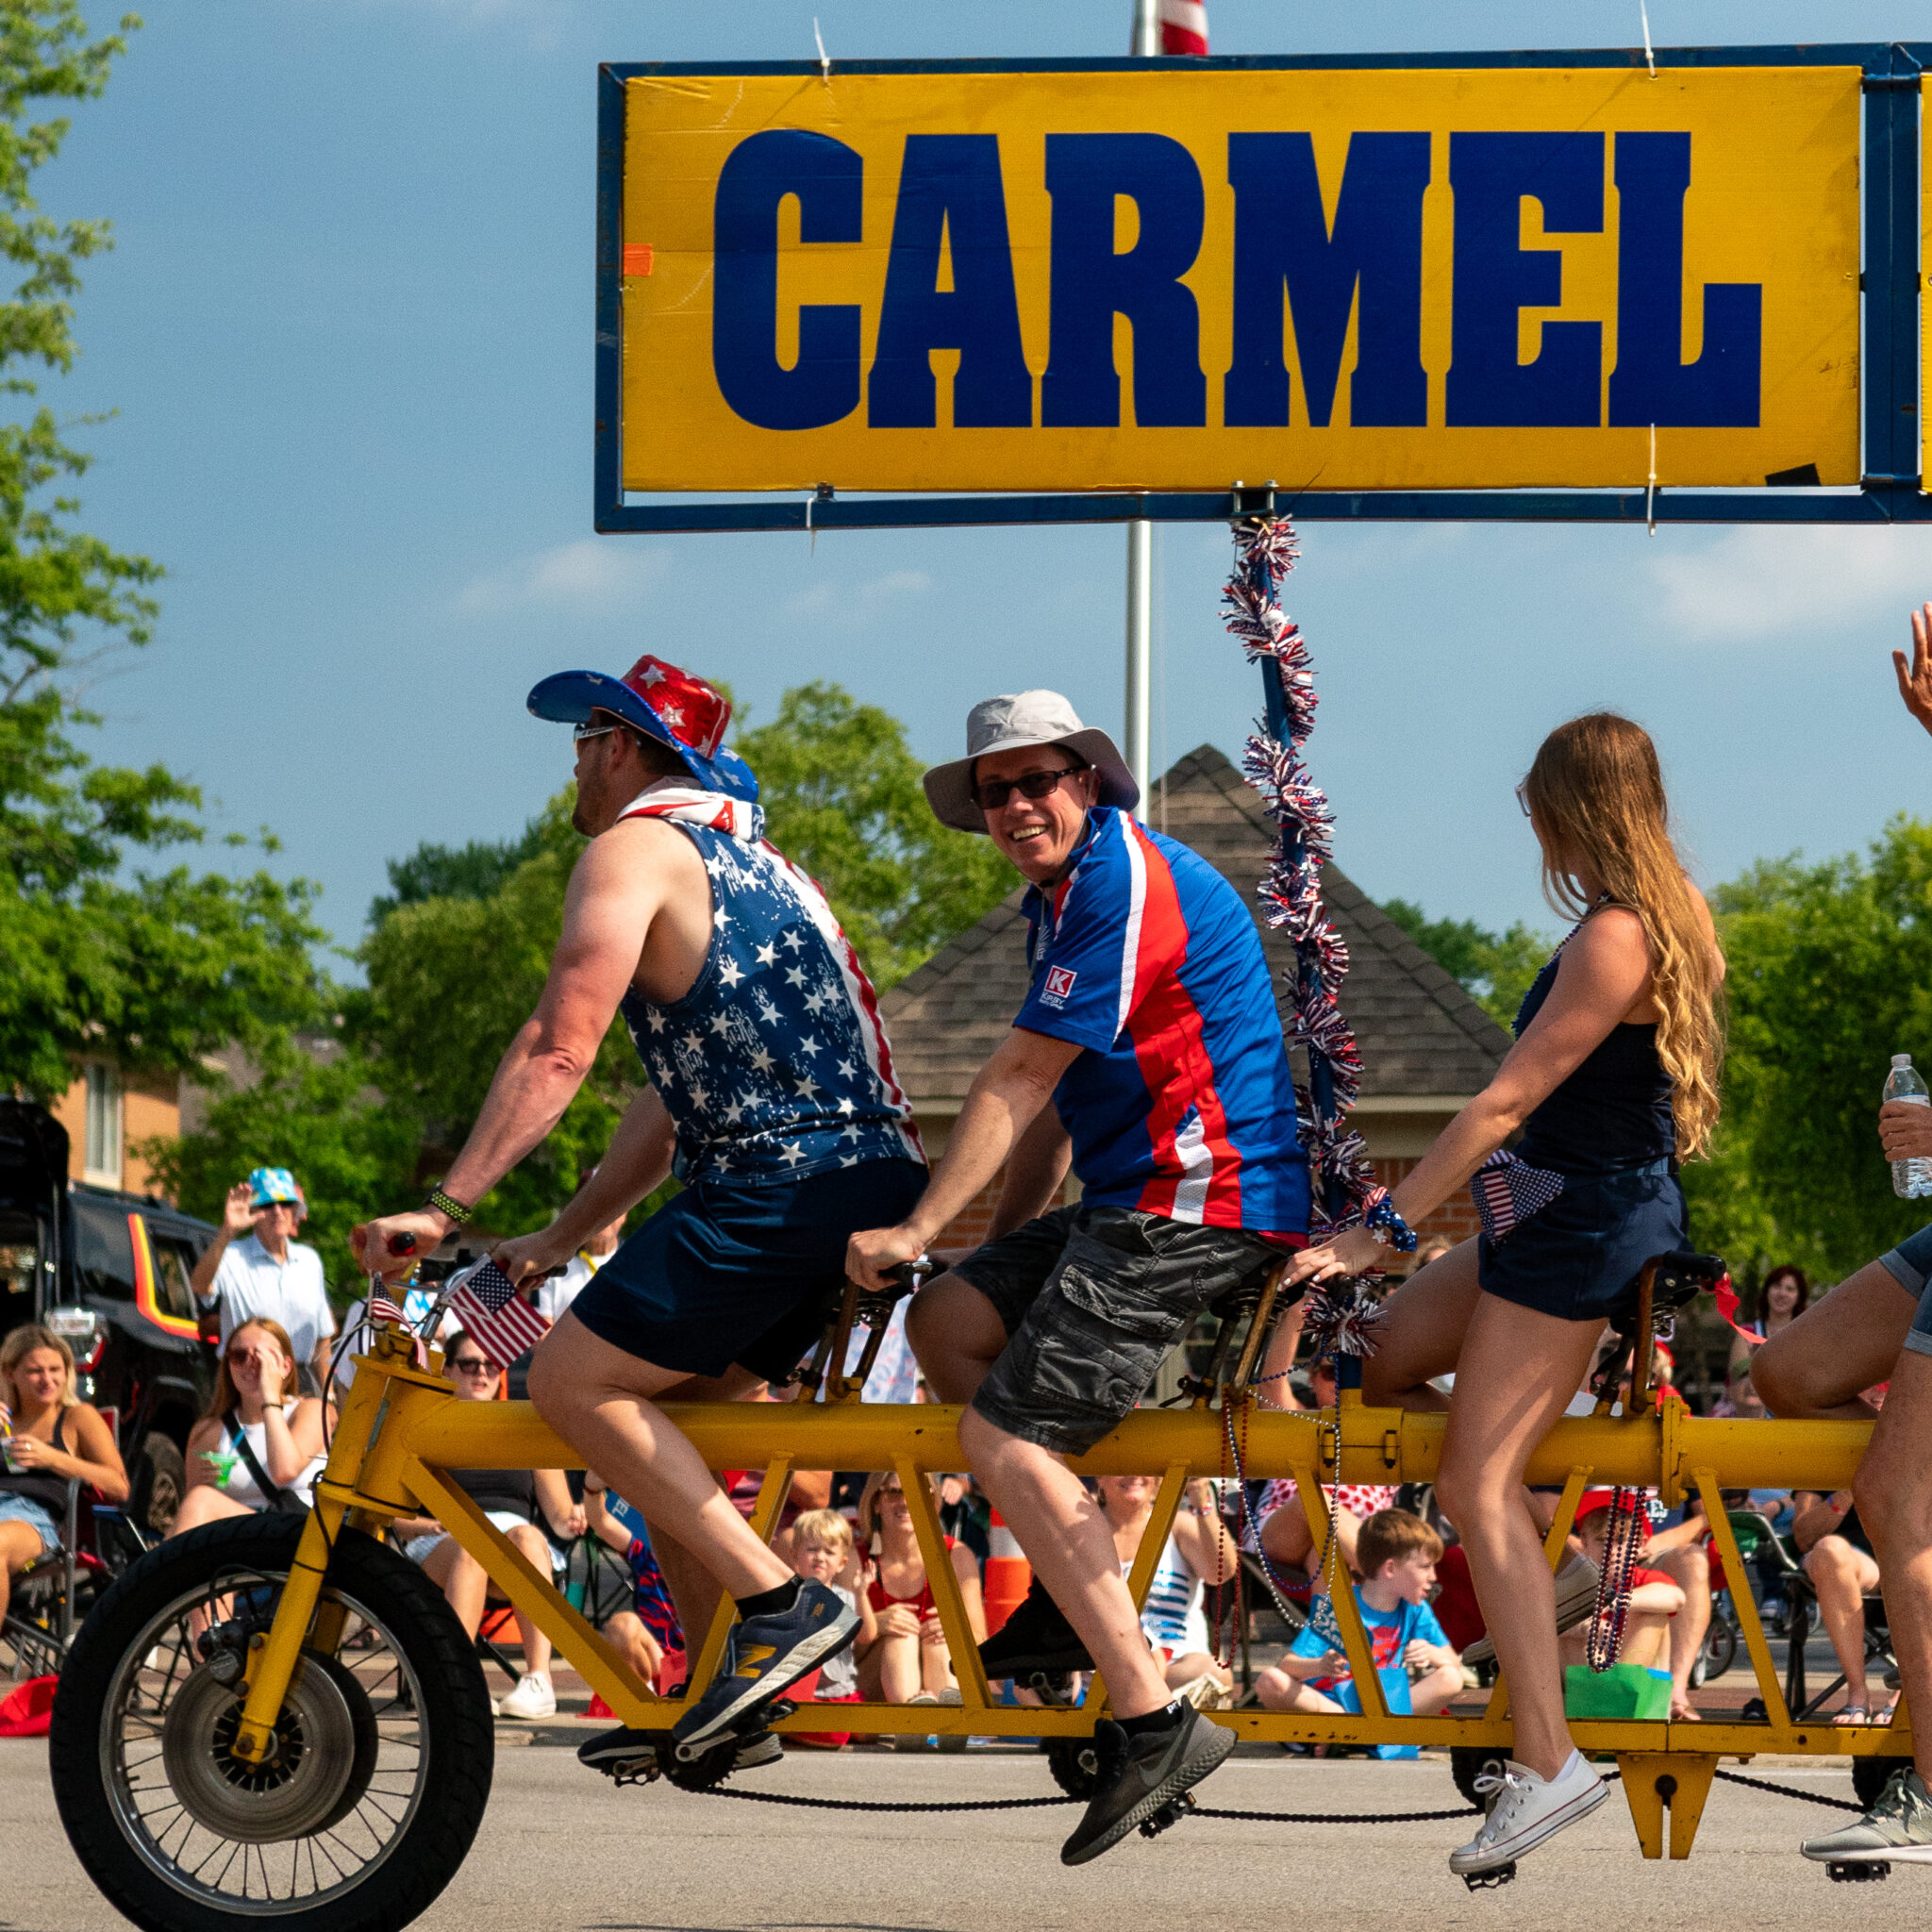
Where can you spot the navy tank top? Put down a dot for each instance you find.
(773, 1066)
(1613, 1113)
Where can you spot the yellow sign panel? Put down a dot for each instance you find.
(1330, 281)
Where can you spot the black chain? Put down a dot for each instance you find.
(1759, 1784)
(1336, 1817)
(863, 1805)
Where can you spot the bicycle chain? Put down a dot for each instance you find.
(1760, 1784)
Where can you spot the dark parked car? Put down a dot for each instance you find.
(109, 1273)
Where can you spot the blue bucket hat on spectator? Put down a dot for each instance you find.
(272, 1187)
(664, 704)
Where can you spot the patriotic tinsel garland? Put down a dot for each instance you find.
(1347, 1193)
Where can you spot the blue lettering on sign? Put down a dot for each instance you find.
(1090, 284)
(950, 189)
(1496, 278)
(1652, 383)
(1282, 241)
(827, 178)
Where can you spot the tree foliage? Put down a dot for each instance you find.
(154, 968)
(1830, 973)
(843, 798)
(1495, 967)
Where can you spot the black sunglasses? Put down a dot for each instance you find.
(992, 795)
(472, 1364)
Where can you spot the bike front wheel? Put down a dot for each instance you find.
(380, 1769)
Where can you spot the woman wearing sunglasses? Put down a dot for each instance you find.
(259, 1445)
(512, 1499)
(1613, 1080)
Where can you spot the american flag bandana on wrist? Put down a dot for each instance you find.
(494, 1316)
(1507, 1190)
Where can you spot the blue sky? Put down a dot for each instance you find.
(347, 331)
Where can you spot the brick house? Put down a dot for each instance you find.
(1426, 1046)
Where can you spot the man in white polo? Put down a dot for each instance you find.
(256, 1268)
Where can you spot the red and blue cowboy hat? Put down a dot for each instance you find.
(663, 703)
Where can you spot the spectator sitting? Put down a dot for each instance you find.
(1199, 1553)
(1780, 1301)
(510, 1498)
(255, 1266)
(1654, 1598)
(52, 1438)
(1420, 1670)
(910, 1663)
(259, 1445)
(1837, 1555)
(649, 1635)
(822, 1548)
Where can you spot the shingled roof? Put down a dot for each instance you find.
(1420, 1034)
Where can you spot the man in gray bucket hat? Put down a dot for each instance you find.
(1150, 1026)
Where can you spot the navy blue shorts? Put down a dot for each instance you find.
(1579, 1259)
(729, 1272)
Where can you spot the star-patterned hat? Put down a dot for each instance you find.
(665, 704)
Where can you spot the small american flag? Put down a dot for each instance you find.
(1507, 1190)
(381, 1309)
(495, 1316)
(1183, 27)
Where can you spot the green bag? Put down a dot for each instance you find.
(1623, 1691)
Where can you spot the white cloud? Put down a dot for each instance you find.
(853, 607)
(1770, 581)
(593, 575)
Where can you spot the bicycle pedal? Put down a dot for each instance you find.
(1055, 1689)
(1170, 1814)
(644, 1770)
(1845, 1872)
(1487, 1881)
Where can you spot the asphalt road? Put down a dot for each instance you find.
(561, 1848)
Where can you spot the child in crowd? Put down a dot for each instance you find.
(1396, 1556)
(823, 1549)
(647, 1635)
(1654, 1598)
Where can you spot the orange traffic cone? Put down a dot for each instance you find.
(1009, 1576)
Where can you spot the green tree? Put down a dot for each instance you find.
(154, 968)
(1495, 967)
(842, 799)
(1830, 973)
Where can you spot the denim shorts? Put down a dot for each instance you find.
(1092, 1299)
(35, 1515)
(1909, 1264)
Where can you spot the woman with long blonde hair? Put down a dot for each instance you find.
(1613, 1079)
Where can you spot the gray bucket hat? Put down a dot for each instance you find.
(1009, 724)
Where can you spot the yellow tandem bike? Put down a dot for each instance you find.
(279, 1719)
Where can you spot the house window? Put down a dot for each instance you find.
(103, 1125)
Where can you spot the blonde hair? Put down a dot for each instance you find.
(225, 1396)
(869, 1503)
(22, 1343)
(824, 1529)
(1597, 798)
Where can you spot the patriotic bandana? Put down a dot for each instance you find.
(672, 798)
(1507, 1190)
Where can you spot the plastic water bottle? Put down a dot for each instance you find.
(1912, 1179)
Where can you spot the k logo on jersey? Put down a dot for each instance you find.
(1059, 986)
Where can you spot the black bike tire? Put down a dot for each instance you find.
(1721, 1648)
(456, 1727)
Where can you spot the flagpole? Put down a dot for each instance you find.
(1139, 663)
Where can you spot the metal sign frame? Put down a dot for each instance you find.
(1889, 370)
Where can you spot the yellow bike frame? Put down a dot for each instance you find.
(402, 1430)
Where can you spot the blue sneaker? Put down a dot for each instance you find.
(763, 1658)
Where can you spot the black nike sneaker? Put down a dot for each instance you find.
(1157, 1769)
(1035, 1641)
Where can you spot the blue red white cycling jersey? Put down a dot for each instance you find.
(1183, 1105)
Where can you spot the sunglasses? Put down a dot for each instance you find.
(994, 793)
(1522, 797)
(580, 733)
(475, 1365)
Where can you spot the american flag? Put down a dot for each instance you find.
(381, 1309)
(495, 1316)
(1183, 27)
(1506, 1190)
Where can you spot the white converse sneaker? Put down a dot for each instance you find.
(529, 1698)
(1527, 1811)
